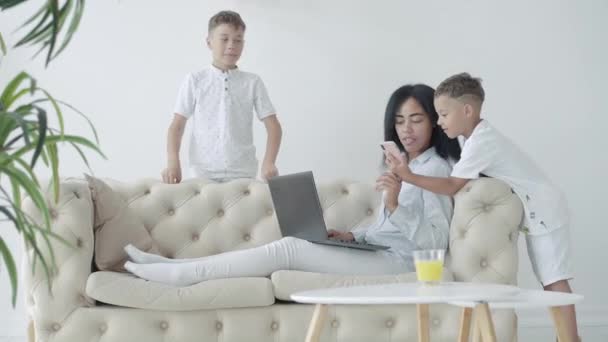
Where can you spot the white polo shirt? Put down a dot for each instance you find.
(488, 152)
(222, 104)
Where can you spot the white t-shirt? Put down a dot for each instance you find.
(488, 152)
(222, 104)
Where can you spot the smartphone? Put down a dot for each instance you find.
(391, 147)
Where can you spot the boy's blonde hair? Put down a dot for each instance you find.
(462, 85)
(226, 17)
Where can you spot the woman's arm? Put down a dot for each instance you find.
(423, 217)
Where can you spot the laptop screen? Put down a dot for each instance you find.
(297, 205)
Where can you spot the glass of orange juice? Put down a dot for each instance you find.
(429, 265)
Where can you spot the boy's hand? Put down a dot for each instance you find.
(391, 185)
(269, 170)
(172, 174)
(338, 235)
(399, 166)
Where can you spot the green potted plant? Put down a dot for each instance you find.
(27, 140)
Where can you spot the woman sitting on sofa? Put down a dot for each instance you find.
(410, 218)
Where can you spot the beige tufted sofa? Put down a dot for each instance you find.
(82, 304)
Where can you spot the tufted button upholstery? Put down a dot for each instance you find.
(66, 314)
(171, 212)
(220, 213)
(483, 247)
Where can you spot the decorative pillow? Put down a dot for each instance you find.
(115, 227)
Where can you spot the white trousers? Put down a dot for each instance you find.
(289, 253)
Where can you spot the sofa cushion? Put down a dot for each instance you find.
(127, 290)
(115, 227)
(287, 283)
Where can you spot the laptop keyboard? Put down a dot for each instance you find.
(354, 242)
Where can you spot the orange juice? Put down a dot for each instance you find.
(429, 270)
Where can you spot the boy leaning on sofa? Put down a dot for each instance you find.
(222, 99)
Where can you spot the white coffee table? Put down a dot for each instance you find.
(405, 293)
(523, 299)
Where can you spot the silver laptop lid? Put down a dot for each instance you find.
(296, 202)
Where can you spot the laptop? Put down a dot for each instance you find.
(298, 209)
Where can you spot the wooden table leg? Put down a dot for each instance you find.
(561, 328)
(465, 325)
(316, 324)
(476, 332)
(31, 333)
(423, 322)
(484, 322)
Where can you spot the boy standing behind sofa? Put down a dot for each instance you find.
(221, 100)
(487, 152)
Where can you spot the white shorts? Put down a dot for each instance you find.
(219, 177)
(551, 255)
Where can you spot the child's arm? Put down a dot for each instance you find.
(173, 173)
(439, 185)
(273, 142)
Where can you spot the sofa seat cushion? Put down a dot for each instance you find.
(287, 283)
(126, 290)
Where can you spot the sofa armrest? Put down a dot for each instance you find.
(484, 232)
(50, 304)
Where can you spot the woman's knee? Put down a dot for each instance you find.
(291, 240)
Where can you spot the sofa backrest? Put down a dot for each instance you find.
(484, 233)
(198, 218)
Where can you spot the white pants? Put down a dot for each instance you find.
(286, 254)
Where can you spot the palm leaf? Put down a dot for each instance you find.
(91, 126)
(54, 139)
(22, 123)
(77, 16)
(11, 267)
(9, 91)
(48, 23)
(42, 129)
(2, 45)
(6, 4)
(54, 159)
(56, 107)
(21, 180)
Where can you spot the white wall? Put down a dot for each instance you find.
(330, 67)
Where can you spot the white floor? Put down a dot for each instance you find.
(588, 334)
